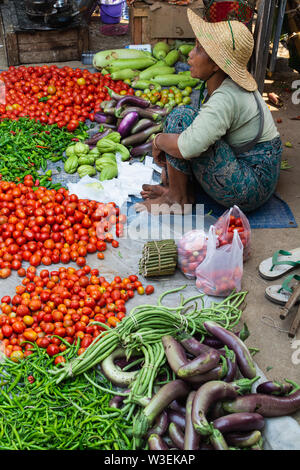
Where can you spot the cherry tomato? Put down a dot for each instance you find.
(149, 290)
(140, 290)
(52, 350)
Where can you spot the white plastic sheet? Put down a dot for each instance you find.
(129, 182)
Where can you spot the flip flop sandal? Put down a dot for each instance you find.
(281, 263)
(281, 294)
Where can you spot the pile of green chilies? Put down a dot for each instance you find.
(26, 146)
(142, 331)
(159, 258)
(45, 416)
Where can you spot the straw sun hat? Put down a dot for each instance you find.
(229, 44)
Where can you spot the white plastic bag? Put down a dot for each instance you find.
(222, 270)
(234, 219)
(191, 252)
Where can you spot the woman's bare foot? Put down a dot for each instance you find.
(166, 203)
(152, 191)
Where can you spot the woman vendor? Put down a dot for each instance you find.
(231, 147)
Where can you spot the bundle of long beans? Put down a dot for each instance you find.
(142, 331)
(159, 258)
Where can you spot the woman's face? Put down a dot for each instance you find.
(202, 66)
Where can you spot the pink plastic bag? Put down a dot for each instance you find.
(191, 252)
(222, 270)
(234, 219)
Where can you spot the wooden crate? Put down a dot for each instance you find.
(160, 21)
(28, 47)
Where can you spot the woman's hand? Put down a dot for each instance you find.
(159, 157)
(162, 144)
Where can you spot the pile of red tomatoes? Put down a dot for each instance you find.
(47, 226)
(60, 308)
(53, 95)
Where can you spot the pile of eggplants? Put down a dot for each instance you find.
(209, 406)
(135, 118)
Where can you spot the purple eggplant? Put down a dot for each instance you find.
(196, 348)
(191, 437)
(121, 362)
(216, 411)
(110, 103)
(217, 373)
(177, 418)
(274, 388)
(165, 395)
(243, 440)
(266, 405)
(156, 443)
(206, 357)
(176, 406)
(151, 138)
(141, 150)
(211, 392)
(231, 365)
(94, 138)
(213, 342)
(239, 422)
(160, 425)
(147, 113)
(198, 366)
(141, 125)
(174, 352)
(140, 137)
(117, 400)
(110, 111)
(109, 126)
(132, 100)
(103, 118)
(176, 435)
(244, 359)
(127, 123)
(180, 364)
(217, 440)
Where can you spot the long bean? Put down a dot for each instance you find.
(143, 329)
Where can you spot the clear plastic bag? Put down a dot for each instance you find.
(222, 270)
(191, 252)
(234, 219)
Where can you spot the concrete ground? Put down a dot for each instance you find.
(279, 356)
